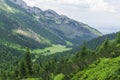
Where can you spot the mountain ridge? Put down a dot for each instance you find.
(37, 11)
(43, 28)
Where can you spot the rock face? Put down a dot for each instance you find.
(46, 26)
(34, 10)
(21, 3)
(29, 9)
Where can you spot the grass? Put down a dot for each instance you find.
(31, 34)
(51, 50)
(5, 7)
(68, 43)
(12, 45)
(93, 30)
(46, 51)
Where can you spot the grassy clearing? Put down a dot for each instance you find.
(12, 45)
(31, 34)
(46, 51)
(51, 50)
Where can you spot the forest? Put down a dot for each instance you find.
(101, 63)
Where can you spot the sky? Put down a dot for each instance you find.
(103, 15)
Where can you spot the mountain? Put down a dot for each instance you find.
(94, 43)
(24, 26)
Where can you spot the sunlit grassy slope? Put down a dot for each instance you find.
(46, 51)
(51, 50)
(93, 30)
(5, 7)
(103, 69)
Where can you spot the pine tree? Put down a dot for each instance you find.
(118, 37)
(25, 67)
(106, 43)
(23, 70)
(83, 50)
(28, 62)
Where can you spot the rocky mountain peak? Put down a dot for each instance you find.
(29, 9)
(50, 13)
(20, 3)
(34, 10)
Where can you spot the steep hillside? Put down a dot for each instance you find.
(94, 43)
(31, 27)
(103, 69)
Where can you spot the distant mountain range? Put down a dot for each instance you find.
(24, 26)
(109, 29)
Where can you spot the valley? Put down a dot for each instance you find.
(38, 44)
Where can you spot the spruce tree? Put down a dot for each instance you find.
(83, 50)
(118, 37)
(28, 62)
(23, 71)
(106, 43)
(25, 66)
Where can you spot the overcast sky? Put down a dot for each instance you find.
(103, 15)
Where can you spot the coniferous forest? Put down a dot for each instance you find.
(86, 64)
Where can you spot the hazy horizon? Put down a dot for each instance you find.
(99, 14)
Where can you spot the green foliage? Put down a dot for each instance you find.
(104, 45)
(51, 50)
(94, 43)
(79, 66)
(59, 77)
(83, 50)
(28, 61)
(103, 69)
(118, 37)
(23, 70)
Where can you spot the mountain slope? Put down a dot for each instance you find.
(94, 43)
(31, 27)
(103, 69)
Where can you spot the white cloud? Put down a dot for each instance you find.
(100, 5)
(30, 2)
(93, 5)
